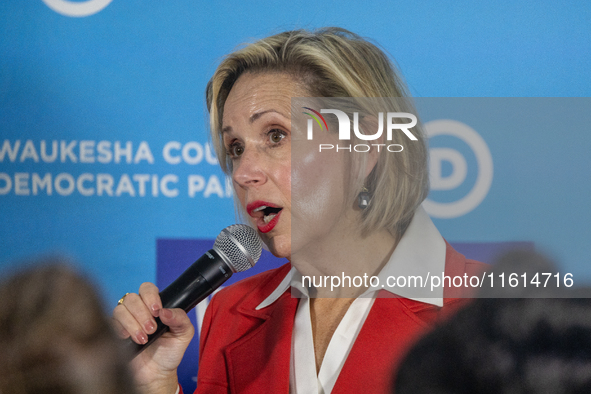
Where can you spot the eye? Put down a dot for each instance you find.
(276, 136)
(235, 149)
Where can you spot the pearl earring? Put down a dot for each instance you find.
(363, 198)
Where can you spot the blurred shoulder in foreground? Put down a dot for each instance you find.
(537, 341)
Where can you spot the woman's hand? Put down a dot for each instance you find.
(155, 368)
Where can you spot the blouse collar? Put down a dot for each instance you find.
(419, 254)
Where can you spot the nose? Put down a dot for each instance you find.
(249, 171)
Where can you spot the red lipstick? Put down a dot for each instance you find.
(258, 210)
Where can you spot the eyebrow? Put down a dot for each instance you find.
(254, 118)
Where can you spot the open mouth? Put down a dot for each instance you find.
(268, 212)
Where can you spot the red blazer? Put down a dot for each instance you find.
(243, 350)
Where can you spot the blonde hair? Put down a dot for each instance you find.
(334, 62)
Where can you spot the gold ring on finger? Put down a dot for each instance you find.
(122, 298)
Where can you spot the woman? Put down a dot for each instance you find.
(55, 336)
(304, 202)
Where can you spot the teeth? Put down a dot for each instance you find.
(259, 208)
(267, 219)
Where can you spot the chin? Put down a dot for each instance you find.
(279, 246)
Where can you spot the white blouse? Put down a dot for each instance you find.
(410, 258)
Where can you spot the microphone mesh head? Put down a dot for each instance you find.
(241, 245)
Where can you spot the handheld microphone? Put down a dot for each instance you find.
(236, 249)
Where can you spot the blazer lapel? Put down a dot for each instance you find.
(259, 362)
(386, 335)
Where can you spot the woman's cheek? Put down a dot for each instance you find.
(315, 191)
(241, 196)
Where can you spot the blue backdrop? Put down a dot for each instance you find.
(103, 128)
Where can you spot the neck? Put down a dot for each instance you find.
(343, 254)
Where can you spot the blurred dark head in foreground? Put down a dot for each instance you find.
(55, 336)
(508, 345)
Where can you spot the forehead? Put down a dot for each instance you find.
(258, 92)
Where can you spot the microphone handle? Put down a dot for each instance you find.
(198, 281)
